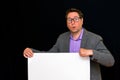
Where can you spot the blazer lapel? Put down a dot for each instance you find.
(67, 43)
(84, 39)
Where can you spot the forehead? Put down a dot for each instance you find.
(72, 15)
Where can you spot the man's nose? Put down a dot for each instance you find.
(72, 21)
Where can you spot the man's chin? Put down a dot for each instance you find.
(74, 31)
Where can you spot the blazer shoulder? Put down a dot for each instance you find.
(93, 35)
(65, 34)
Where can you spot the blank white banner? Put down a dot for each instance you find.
(58, 66)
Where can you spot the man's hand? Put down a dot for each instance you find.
(85, 52)
(28, 53)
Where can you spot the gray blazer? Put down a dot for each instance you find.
(101, 55)
(89, 41)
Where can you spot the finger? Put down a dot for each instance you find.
(25, 56)
(29, 54)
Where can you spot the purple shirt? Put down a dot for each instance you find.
(75, 44)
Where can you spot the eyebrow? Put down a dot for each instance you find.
(74, 16)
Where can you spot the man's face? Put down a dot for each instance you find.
(74, 22)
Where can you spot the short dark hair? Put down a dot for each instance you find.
(74, 10)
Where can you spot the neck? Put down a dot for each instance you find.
(75, 35)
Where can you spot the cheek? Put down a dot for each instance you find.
(80, 23)
(68, 25)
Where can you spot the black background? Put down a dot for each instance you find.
(38, 23)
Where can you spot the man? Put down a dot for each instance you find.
(78, 39)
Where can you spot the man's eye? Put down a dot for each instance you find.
(76, 19)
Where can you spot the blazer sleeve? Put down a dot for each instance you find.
(102, 55)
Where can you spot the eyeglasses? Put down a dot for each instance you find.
(75, 19)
